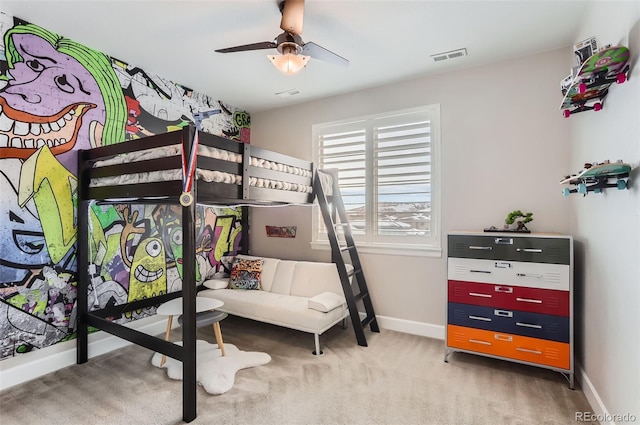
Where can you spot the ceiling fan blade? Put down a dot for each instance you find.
(246, 47)
(292, 16)
(319, 52)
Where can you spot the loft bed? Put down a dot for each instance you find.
(184, 167)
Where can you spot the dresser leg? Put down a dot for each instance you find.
(571, 380)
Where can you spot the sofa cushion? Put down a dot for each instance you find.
(313, 278)
(283, 278)
(268, 270)
(245, 274)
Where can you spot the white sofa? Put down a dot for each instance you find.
(302, 295)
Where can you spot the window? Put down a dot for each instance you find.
(388, 175)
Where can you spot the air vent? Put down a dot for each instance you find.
(449, 55)
(288, 93)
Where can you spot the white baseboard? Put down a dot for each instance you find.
(411, 327)
(26, 367)
(599, 409)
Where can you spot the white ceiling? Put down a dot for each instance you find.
(385, 41)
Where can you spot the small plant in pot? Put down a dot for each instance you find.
(513, 218)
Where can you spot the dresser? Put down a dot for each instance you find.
(510, 296)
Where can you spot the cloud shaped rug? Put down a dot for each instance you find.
(214, 372)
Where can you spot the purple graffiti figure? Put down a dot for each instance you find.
(58, 94)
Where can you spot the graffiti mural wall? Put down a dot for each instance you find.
(57, 96)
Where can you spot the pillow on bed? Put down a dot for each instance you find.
(245, 274)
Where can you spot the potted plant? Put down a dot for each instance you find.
(513, 217)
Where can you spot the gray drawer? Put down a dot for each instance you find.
(511, 248)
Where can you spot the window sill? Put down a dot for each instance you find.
(403, 250)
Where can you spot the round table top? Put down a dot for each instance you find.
(174, 307)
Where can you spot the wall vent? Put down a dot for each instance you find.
(449, 55)
(288, 93)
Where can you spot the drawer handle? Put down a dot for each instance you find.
(502, 265)
(477, 341)
(526, 350)
(533, 250)
(480, 271)
(507, 338)
(475, 294)
(528, 325)
(504, 241)
(503, 313)
(528, 300)
(484, 319)
(480, 248)
(505, 289)
(535, 276)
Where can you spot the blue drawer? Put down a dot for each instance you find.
(535, 325)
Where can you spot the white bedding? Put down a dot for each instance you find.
(201, 174)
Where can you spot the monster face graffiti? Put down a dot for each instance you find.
(51, 97)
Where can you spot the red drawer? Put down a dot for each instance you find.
(535, 300)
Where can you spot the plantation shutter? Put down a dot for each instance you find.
(402, 175)
(344, 147)
(388, 175)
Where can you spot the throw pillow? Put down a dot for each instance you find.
(326, 301)
(245, 274)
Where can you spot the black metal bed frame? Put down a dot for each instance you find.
(169, 193)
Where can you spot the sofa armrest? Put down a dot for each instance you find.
(216, 283)
(326, 301)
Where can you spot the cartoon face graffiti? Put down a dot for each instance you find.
(175, 238)
(21, 232)
(148, 276)
(52, 97)
(148, 270)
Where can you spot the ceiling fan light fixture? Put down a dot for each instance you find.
(289, 63)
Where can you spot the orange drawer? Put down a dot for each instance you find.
(534, 350)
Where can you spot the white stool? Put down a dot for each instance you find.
(203, 304)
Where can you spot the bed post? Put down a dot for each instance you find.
(189, 382)
(82, 282)
(244, 223)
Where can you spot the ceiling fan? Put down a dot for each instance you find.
(294, 53)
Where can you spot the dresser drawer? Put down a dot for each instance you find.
(533, 350)
(511, 248)
(535, 325)
(535, 300)
(512, 273)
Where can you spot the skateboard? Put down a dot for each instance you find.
(591, 83)
(595, 177)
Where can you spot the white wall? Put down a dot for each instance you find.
(505, 146)
(607, 227)
(23, 368)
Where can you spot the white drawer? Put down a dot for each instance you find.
(514, 273)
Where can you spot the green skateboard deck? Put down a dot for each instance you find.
(595, 178)
(591, 83)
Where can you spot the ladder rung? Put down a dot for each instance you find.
(367, 320)
(361, 296)
(353, 272)
(347, 247)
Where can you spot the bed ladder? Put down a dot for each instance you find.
(330, 202)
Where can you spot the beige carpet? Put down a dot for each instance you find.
(399, 379)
